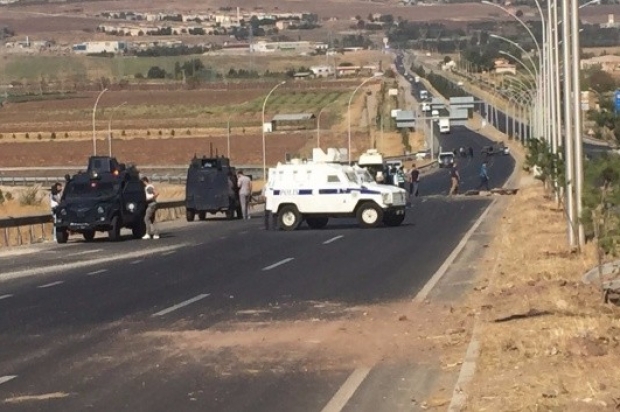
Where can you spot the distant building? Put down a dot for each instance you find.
(502, 66)
(94, 47)
(322, 71)
(607, 63)
(611, 23)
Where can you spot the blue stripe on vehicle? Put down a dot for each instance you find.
(305, 191)
(329, 191)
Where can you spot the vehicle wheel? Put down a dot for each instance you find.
(391, 219)
(369, 215)
(138, 230)
(62, 235)
(202, 215)
(189, 215)
(317, 222)
(230, 213)
(289, 218)
(115, 231)
(89, 235)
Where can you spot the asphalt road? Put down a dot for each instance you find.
(85, 325)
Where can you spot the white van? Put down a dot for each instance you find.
(315, 192)
(444, 125)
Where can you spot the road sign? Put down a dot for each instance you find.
(617, 101)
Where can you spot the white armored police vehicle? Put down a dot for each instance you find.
(314, 191)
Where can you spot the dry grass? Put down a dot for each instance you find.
(558, 361)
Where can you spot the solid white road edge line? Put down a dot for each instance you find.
(280, 263)
(422, 294)
(86, 252)
(49, 285)
(328, 241)
(180, 305)
(6, 296)
(346, 391)
(135, 262)
(170, 252)
(5, 379)
(38, 271)
(96, 272)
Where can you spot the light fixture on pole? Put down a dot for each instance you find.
(263, 129)
(110, 127)
(374, 76)
(94, 111)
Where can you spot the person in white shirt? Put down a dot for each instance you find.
(245, 192)
(151, 208)
(55, 196)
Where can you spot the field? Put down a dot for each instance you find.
(70, 69)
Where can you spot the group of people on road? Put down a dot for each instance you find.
(243, 185)
(469, 152)
(455, 178)
(399, 176)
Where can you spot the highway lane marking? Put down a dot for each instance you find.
(422, 294)
(328, 241)
(49, 285)
(5, 379)
(346, 391)
(170, 252)
(86, 263)
(280, 263)
(86, 252)
(96, 272)
(6, 296)
(181, 305)
(135, 262)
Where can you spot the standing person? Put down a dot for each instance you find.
(245, 192)
(415, 180)
(55, 196)
(400, 178)
(484, 176)
(455, 179)
(151, 208)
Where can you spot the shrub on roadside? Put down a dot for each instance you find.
(30, 196)
(123, 133)
(188, 132)
(66, 135)
(53, 136)
(2, 199)
(148, 132)
(172, 132)
(39, 136)
(8, 196)
(27, 135)
(14, 137)
(161, 133)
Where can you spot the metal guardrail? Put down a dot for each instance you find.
(36, 226)
(50, 180)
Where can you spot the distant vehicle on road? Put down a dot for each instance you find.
(107, 197)
(493, 150)
(445, 159)
(207, 188)
(314, 192)
(444, 125)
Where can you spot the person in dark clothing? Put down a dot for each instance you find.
(471, 152)
(484, 177)
(455, 179)
(415, 180)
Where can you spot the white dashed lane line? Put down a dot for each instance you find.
(280, 263)
(96, 272)
(170, 252)
(181, 305)
(49, 285)
(2, 297)
(328, 241)
(135, 262)
(5, 379)
(346, 391)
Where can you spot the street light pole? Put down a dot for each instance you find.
(568, 130)
(94, 111)
(577, 119)
(318, 124)
(110, 128)
(263, 129)
(349, 114)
